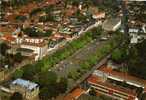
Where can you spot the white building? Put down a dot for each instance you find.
(39, 46)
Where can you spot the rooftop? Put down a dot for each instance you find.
(74, 94)
(8, 37)
(39, 42)
(95, 80)
(25, 83)
(124, 76)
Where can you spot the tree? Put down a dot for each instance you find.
(47, 78)
(3, 48)
(119, 55)
(44, 93)
(20, 18)
(96, 32)
(143, 96)
(29, 70)
(32, 32)
(92, 92)
(16, 96)
(18, 57)
(73, 74)
(35, 11)
(137, 60)
(62, 85)
(50, 87)
(48, 33)
(18, 74)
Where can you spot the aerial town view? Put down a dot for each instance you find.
(72, 49)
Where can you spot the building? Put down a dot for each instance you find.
(8, 38)
(136, 34)
(118, 85)
(112, 24)
(28, 89)
(75, 94)
(106, 88)
(99, 15)
(39, 46)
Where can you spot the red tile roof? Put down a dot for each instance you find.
(8, 37)
(122, 75)
(74, 94)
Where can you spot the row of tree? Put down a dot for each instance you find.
(50, 84)
(93, 59)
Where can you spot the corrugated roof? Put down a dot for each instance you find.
(25, 83)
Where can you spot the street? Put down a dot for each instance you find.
(73, 62)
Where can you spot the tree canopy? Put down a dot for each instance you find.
(3, 48)
(137, 60)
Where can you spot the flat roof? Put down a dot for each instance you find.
(25, 83)
(95, 80)
(123, 76)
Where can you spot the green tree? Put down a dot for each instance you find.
(32, 32)
(47, 78)
(18, 74)
(35, 11)
(119, 55)
(18, 57)
(20, 18)
(137, 60)
(92, 92)
(96, 32)
(44, 93)
(62, 85)
(29, 70)
(48, 33)
(3, 48)
(73, 74)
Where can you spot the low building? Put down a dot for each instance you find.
(111, 24)
(111, 90)
(28, 89)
